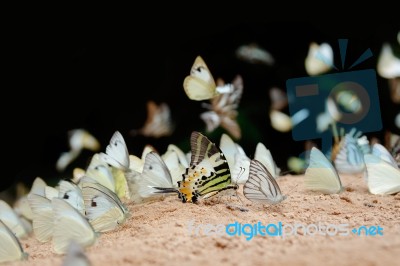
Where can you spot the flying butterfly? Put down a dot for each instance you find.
(200, 84)
(223, 109)
(158, 123)
(261, 186)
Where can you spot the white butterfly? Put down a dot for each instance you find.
(237, 159)
(104, 209)
(72, 194)
(100, 171)
(381, 152)
(158, 123)
(383, 178)
(42, 221)
(319, 59)
(283, 123)
(263, 155)
(320, 174)
(75, 256)
(70, 224)
(79, 139)
(12, 220)
(254, 54)
(10, 247)
(388, 64)
(200, 84)
(223, 110)
(155, 174)
(261, 186)
(117, 154)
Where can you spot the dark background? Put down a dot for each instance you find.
(99, 77)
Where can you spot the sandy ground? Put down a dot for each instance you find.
(157, 233)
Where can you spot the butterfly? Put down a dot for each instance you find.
(261, 185)
(116, 154)
(42, 221)
(284, 123)
(200, 84)
(383, 177)
(72, 193)
(254, 54)
(70, 224)
(388, 64)
(100, 171)
(155, 175)
(158, 123)
(223, 110)
(319, 59)
(10, 246)
(79, 139)
(208, 172)
(104, 209)
(13, 221)
(237, 159)
(321, 175)
(381, 152)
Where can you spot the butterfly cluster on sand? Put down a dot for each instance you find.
(93, 201)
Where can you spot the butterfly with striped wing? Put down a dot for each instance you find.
(261, 186)
(208, 172)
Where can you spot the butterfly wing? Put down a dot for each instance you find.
(71, 193)
(200, 84)
(383, 178)
(99, 170)
(208, 172)
(70, 224)
(10, 247)
(261, 186)
(12, 220)
(320, 174)
(263, 155)
(117, 154)
(42, 222)
(155, 174)
(104, 209)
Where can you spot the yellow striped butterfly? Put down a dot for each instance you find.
(208, 172)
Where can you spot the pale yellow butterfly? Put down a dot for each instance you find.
(200, 84)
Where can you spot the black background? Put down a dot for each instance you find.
(99, 77)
